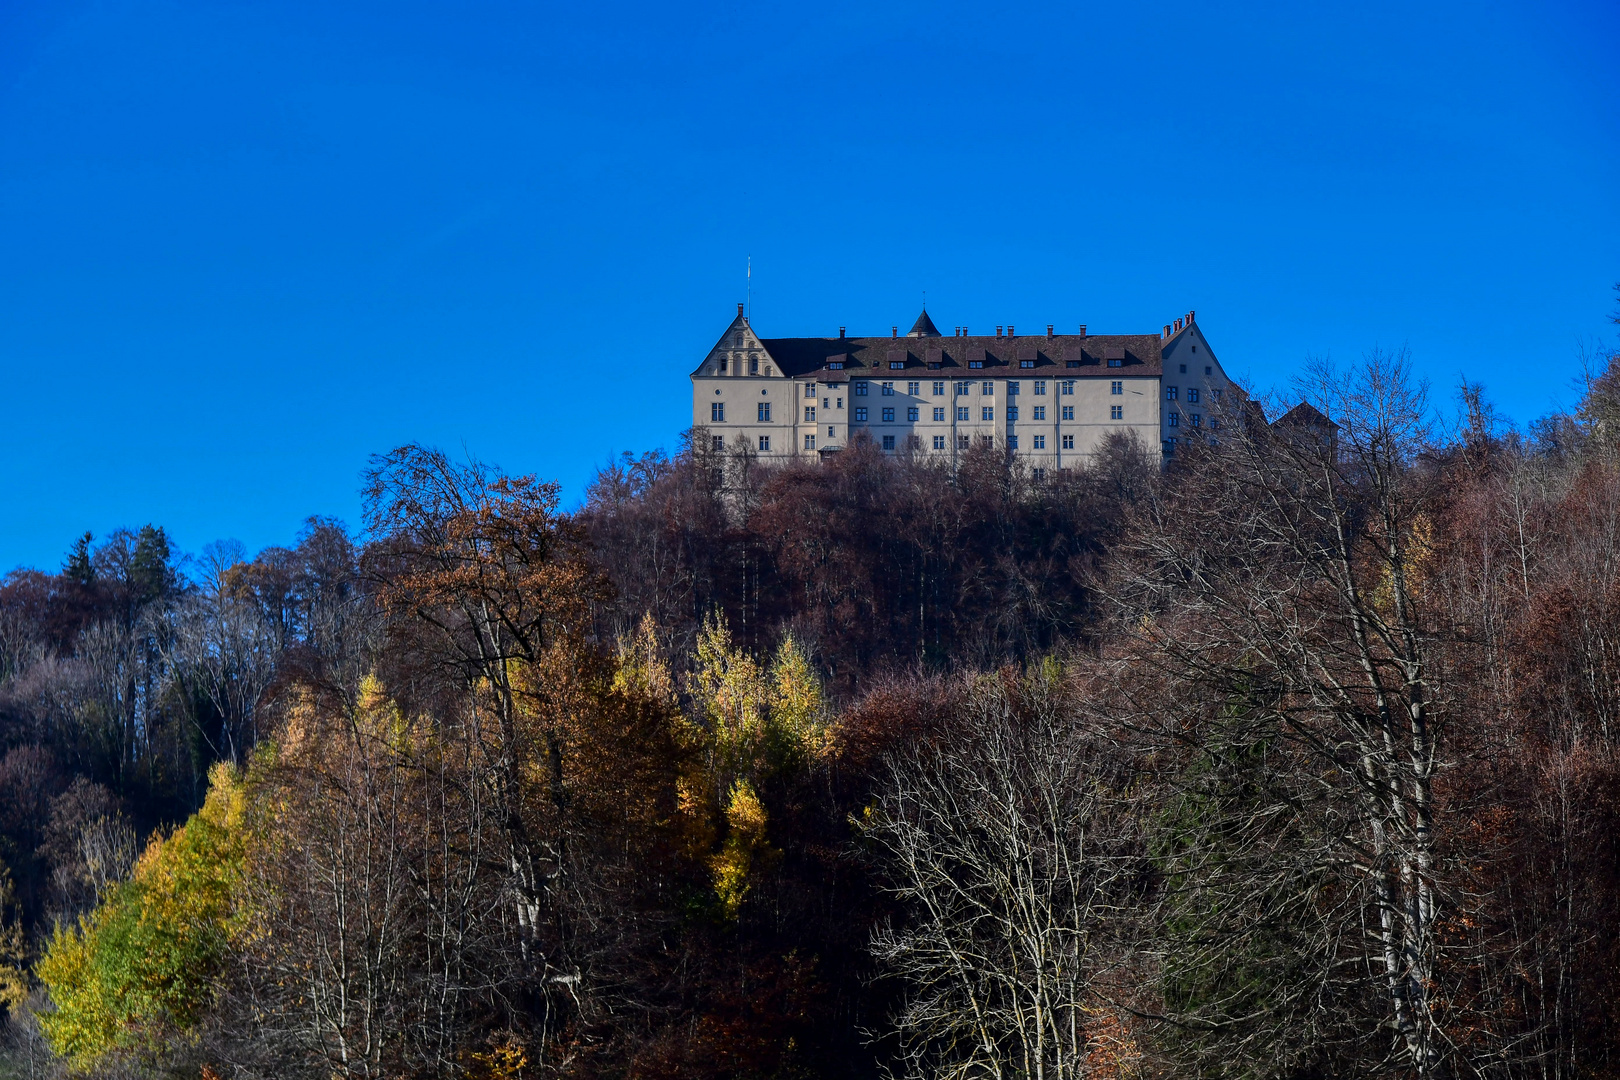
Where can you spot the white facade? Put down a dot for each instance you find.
(1051, 399)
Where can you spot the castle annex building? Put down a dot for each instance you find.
(1051, 398)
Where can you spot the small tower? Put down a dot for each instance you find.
(924, 327)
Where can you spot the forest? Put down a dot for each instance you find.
(1297, 756)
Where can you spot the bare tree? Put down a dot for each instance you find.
(1286, 574)
(1008, 844)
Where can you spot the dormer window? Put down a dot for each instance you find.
(1072, 363)
(897, 365)
(975, 363)
(836, 365)
(933, 365)
(1115, 363)
(1026, 363)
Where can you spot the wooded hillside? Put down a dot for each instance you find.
(1299, 757)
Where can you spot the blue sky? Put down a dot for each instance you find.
(244, 246)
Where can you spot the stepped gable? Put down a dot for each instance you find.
(867, 357)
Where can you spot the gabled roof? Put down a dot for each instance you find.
(924, 327)
(1138, 354)
(1305, 415)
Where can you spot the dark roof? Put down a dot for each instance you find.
(1305, 415)
(924, 327)
(1139, 354)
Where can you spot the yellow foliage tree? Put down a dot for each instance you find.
(139, 969)
(754, 723)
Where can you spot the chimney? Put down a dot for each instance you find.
(894, 331)
(1049, 330)
(1189, 318)
(998, 331)
(1082, 329)
(1178, 326)
(739, 311)
(840, 331)
(1010, 331)
(1166, 329)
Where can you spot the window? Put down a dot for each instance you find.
(718, 442)
(1039, 474)
(914, 388)
(896, 365)
(1116, 412)
(888, 416)
(961, 412)
(975, 363)
(961, 442)
(1071, 363)
(829, 431)
(1192, 394)
(1012, 442)
(1175, 419)
(809, 389)
(809, 413)
(888, 389)
(1197, 420)
(987, 389)
(986, 441)
(1040, 386)
(914, 441)
(1068, 412)
(860, 389)
(1012, 412)
(1068, 442)
(836, 365)
(717, 412)
(1209, 371)
(939, 442)
(1216, 394)
(1068, 386)
(753, 365)
(933, 365)
(764, 412)
(939, 414)
(860, 414)
(939, 389)
(1038, 442)
(1012, 389)
(911, 413)
(987, 413)
(1026, 363)
(1116, 387)
(888, 442)
(1184, 369)
(1039, 412)
(809, 442)
(722, 365)
(1115, 363)
(1169, 393)
(840, 403)
(764, 444)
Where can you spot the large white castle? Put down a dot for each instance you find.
(1049, 398)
